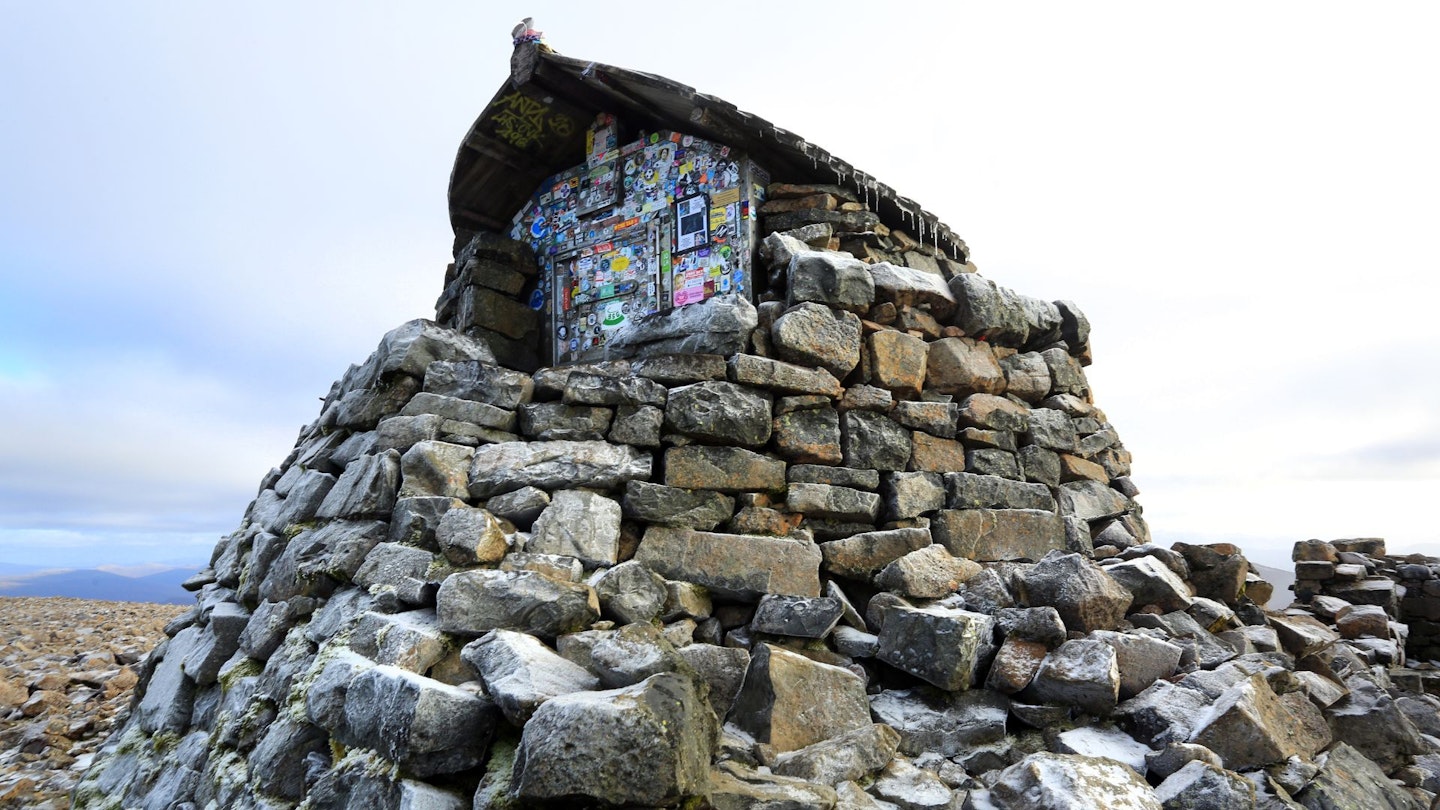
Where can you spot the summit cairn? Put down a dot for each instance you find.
(853, 534)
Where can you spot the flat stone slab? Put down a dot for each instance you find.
(999, 534)
(723, 469)
(507, 466)
(736, 565)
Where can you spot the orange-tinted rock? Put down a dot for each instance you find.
(931, 454)
(962, 366)
(897, 362)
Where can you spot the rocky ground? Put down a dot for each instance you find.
(67, 667)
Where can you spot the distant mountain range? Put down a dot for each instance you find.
(138, 584)
(1282, 580)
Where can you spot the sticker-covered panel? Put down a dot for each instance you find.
(661, 222)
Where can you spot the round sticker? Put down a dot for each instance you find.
(537, 300)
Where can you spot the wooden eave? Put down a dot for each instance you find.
(499, 165)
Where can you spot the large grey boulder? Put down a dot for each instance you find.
(170, 694)
(520, 506)
(317, 559)
(623, 657)
(1152, 583)
(482, 382)
(720, 412)
(410, 640)
(469, 536)
(903, 785)
(630, 592)
(826, 502)
(582, 388)
(719, 325)
(1349, 781)
(1103, 741)
(797, 616)
(1201, 646)
(722, 668)
(1250, 726)
(403, 571)
(672, 506)
(1141, 659)
(434, 468)
(1302, 634)
(424, 726)
(278, 762)
(790, 701)
(782, 377)
(811, 334)
(1080, 673)
(1372, 722)
(648, 744)
(500, 468)
(460, 410)
(1091, 501)
(861, 556)
(1052, 430)
(521, 673)
(910, 495)
(556, 421)
(275, 513)
(927, 573)
(833, 279)
(1164, 713)
(874, 441)
(947, 723)
(476, 602)
(984, 309)
(1088, 598)
(581, 524)
(367, 489)
(1202, 786)
(411, 347)
(944, 646)
(908, 286)
(415, 519)
(972, 491)
(847, 757)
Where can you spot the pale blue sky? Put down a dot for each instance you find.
(207, 212)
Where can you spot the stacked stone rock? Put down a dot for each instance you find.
(485, 298)
(1361, 588)
(845, 558)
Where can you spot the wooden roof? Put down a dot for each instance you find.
(535, 126)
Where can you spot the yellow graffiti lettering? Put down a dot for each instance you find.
(561, 125)
(520, 120)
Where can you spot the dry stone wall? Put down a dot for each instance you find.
(1391, 601)
(868, 544)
